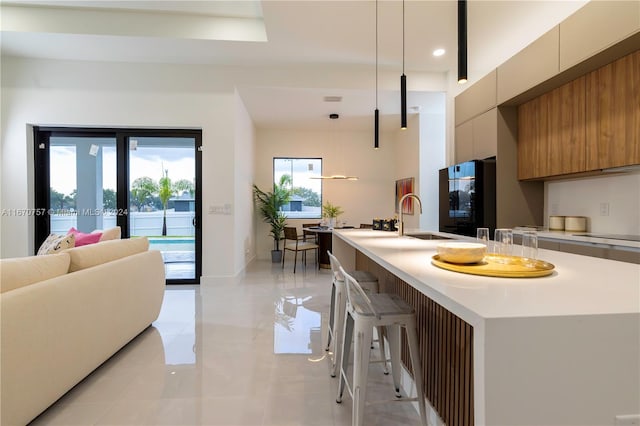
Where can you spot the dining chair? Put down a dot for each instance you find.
(308, 235)
(294, 244)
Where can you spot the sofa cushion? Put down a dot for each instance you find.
(107, 251)
(22, 271)
(83, 239)
(56, 243)
(110, 233)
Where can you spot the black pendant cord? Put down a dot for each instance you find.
(403, 83)
(462, 41)
(376, 118)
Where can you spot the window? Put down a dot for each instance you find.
(301, 176)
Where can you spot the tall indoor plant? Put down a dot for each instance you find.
(270, 207)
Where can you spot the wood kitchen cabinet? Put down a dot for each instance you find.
(532, 140)
(551, 132)
(613, 114)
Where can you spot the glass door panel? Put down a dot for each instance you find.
(162, 200)
(82, 182)
(147, 181)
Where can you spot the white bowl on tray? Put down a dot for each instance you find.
(461, 252)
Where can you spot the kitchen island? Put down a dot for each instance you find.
(555, 350)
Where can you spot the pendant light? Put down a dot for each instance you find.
(462, 41)
(403, 83)
(376, 115)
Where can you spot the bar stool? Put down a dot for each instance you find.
(364, 312)
(369, 283)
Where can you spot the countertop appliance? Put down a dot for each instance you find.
(467, 194)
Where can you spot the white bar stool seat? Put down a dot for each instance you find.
(363, 313)
(369, 283)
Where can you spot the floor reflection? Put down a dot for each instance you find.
(177, 325)
(179, 264)
(248, 352)
(296, 329)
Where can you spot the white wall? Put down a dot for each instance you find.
(244, 250)
(407, 164)
(135, 95)
(432, 159)
(582, 197)
(349, 153)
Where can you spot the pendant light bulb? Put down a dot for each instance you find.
(462, 41)
(376, 129)
(403, 83)
(376, 115)
(403, 102)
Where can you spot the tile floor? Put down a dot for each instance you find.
(249, 353)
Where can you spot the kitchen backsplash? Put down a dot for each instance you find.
(610, 202)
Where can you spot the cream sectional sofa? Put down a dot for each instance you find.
(62, 315)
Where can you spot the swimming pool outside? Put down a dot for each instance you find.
(172, 244)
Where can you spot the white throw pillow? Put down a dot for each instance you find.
(56, 243)
(110, 234)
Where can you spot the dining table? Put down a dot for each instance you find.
(324, 237)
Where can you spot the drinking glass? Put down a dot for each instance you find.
(482, 235)
(503, 241)
(530, 244)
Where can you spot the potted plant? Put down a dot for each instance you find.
(331, 212)
(270, 207)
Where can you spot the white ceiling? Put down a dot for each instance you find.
(334, 36)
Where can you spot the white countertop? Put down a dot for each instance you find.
(579, 285)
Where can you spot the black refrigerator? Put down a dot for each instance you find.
(467, 194)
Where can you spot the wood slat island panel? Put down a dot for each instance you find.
(446, 348)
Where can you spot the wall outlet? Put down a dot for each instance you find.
(627, 420)
(604, 209)
(554, 209)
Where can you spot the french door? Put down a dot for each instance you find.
(146, 181)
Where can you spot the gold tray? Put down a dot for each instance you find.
(499, 266)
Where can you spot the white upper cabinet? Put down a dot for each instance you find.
(479, 98)
(531, 66)
(595, 27)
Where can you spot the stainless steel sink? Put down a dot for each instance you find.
(428, 236)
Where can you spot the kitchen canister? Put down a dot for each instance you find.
(575, 223)
(556, 223)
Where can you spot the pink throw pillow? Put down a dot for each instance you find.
(83, 239)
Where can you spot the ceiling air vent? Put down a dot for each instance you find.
(333, 98)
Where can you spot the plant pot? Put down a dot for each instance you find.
(332, 222)
(276, 256)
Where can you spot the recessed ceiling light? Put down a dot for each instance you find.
(438, 52)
